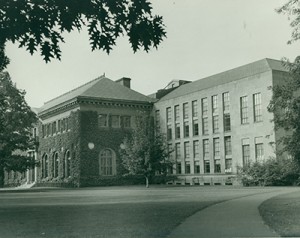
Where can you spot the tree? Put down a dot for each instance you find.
(40, 24)
(145, 152)
(16, 121)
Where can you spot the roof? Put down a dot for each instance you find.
(238, 73)
(99, 88)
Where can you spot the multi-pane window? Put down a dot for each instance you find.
(58, 126)
(227, 124)
(227, 142)
(178, 167)
(196, 148)
(216, 145)
(205, 126)
(204, 106)
(67, 164)
(257, 107)
(246, 154)
(157, 120)
(177, 130)
(102, 120)
(187, 167)
(177, 151)
(168, 113)
(170, 151)
(226, 102)
(169, 132)
(228, 165)
(185, 111)
(45, 166)
(206, 148)
(259, 151)
(176, 112)
(195, 127)
(186, 129)
(195, 108)
(53, 128)
(214, 104)
(55, 165)
(106, 166)
(244, 109)
(186, 150)
(206, 166)
(115, 121)
(126, 121)
(197, 167)
(217, 166)
(215, 124)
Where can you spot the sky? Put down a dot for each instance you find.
(204, 37)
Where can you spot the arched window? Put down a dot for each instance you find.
(55, 164)
(45, 166)
(107, 162)
(67, 164)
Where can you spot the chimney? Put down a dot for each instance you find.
(124, 81)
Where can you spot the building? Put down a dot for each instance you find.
(212, 125)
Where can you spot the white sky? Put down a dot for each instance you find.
(204, 37)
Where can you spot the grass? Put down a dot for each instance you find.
(282, 213)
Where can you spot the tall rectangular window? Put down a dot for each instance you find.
(157, 120)
(228, 165)
(170, 151)
(215, 123)
(186, 150)
(246, 154)
(244, 109)
(115, 121)
(226, 102)
(176, 112)
(185, 110)
(205, 148)
(186, 129)
(178, 167)
(126, 121)
(227, 142)
(206, 166)
(53, 128)
(177, 151)
(227, 123)
(169, 132)
(177, 130)
(214, 104)
(204, 106)
(187, 167)
(217, 166)
(197, 167)
(195, 127)
(168, 112)
(195, 108)
(196, 148)
(102, 120)
(257, 107)
(259, 151)
(216, 144)
(205, 126)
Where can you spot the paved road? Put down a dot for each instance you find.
(234, 218)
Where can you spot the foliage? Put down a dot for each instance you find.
(16, 121)
(40, 24)
(271, 172)
(145, 152)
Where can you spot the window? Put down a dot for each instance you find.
(66, 123)
(169, 132)
(246, 154)
(157, 120)
(176, 112)
(55, 164)
(196, 148)
(195, 108)
(206, 148)
(227, 125)
(102, 120)
(205, 126)
(186, 150)
(115, 121)
(206, 166)
(67, 164)
(259, 151)
(170, 151)
(178, 168)
(217, 166)
(204, 107)
(185, 111)
(168, 112)
(228, 165)
(244, 109)
(215, 124)
(257, 107)
(44, 130)
(216, 144)
(214, 104)
(45, 167)
(186, 131)
(226, 102)
(48, 129)
(177, 131)
(187, 167)
(227, 142)
(177, 151)
(58, 126)
(54, 128)
(126, 121)
(106, 162)
(195, 127)
(197, 167)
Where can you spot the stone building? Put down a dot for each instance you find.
(212, 125)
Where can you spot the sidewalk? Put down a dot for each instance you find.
(235, 218)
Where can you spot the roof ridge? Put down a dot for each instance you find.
(89, 82)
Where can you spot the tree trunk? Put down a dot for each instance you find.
(147, 182)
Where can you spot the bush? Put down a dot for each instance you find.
(272, 172)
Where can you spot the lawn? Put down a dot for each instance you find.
(282, 213)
